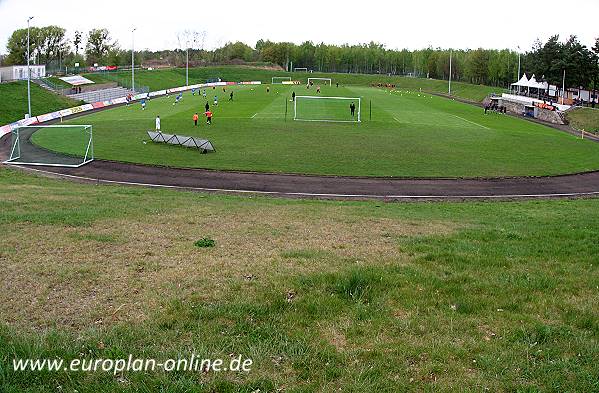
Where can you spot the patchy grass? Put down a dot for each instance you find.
(584, 119)
(321, 295)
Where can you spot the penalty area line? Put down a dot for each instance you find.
(471, 122)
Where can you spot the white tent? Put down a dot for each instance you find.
(523, 82)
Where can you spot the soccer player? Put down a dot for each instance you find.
(204, 94)
(293, 96)
(193, 92)
(318, 89)
(352, 109)
(337, 84)
(158, 123)
(207, 106)
(231, 96)
(208, 117)
(143, 105)
(215, 100)
(178, 98)
(268, 89)
(195, 119)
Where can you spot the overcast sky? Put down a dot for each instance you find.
(397, 24)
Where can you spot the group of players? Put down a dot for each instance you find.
(207, 112)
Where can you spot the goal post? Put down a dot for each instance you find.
(300, 69)
(325, 80)
(68, 146)
(327, 109)
(278, 80)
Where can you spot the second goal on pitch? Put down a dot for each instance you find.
(327, 109)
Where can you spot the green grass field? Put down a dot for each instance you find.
(174, 77)
(410, 135)
(13, 104)
(322, 296)
(584, 119)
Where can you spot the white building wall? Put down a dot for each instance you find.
(20, 72)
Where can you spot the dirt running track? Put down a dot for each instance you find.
(329, 187)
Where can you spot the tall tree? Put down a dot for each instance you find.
(52, 43)
(98, 45)
(17, 46)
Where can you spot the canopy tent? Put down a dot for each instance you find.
(523, 82)
(76, 80)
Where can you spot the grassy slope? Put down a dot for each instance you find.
(361, 296)
(409, 136)
(13, 105)
(162, 79)
(584, 119)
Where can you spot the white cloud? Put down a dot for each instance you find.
(437, 23)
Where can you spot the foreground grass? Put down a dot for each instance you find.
(584, 119)
(357, 296)
(13, 105)
(409, 135)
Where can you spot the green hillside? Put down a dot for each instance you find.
(13, 105)
(584, 119)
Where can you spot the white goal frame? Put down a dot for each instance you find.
(321, 79)
(15, 149)
(355, 99)
(286, 78)
(300, 69)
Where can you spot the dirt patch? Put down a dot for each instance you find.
(123, 269)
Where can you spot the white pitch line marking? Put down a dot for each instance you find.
(309, 194)
(255, 114)
(476, 124)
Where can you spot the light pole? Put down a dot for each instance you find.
(187, 66)
(28, 71)
(518, 63)
(564, 87)
(133, 59)
(450, 58)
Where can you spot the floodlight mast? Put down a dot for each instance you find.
(518, 63)
(133, 59)
(28, 72)
(450, 58)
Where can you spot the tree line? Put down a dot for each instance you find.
(50, 45)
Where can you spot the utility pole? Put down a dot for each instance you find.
(28, 71)
(450, 58)
(133, 59)
(564, 87)
(518, 63)
(187, 66)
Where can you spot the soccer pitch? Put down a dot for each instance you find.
(409, 134)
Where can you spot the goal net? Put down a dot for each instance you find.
(321, 80)
(328, 109)
(300, 69)
(55, 145)
(277, 80)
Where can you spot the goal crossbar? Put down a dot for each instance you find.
(321, 79)
(358, 100)
(280, 78)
